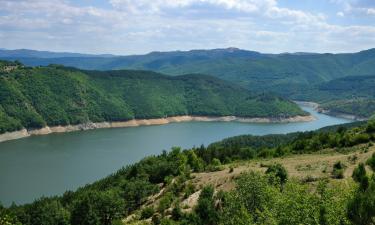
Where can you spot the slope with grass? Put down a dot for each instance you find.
(33, 98)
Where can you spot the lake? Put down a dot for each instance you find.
(49, 165)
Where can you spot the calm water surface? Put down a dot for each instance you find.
(49, 165)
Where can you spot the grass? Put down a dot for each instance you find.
(302, 167)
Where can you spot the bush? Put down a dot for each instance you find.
(338, 170)
(147, 212)
(231, 169)
(371, 162)
(206, 206)
(215, 165)
(177, 212)
(279, 171)
(370, 128)
(359, 172)
(165, 202)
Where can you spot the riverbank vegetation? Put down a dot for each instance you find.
(170, 189)
(352, 95)
(55, 95)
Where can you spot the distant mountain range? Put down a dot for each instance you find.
(281, 73)
(297, 76)
(27, 53)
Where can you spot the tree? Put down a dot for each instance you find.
(97, 208)
(206, 206)
(47, 212)
(234, 212)
(370, 128)
(338, 170)
(279, 171)
(361, 208)
(371, 162)
(359, 176)
(254, 192)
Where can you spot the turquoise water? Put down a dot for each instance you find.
(49, 165)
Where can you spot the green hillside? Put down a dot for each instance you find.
(348, 95)
(280, 73)
(337, 79)
(56, 95)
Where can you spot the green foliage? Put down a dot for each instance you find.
(97, 208)
(135, 191)
(338, 170)
(359, 173)
(234, 212)
(371, 162)
(165, 202)
(55, 95)
(46, 212)
(147, 212)
(279, 171)
(342, 82)
(7, 217)
(206, 206)
(255, 193)
(256, 201)
(370, 126)
(361, 208)
(282, 73)
(215, 165)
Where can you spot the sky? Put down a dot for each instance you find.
(125, 27)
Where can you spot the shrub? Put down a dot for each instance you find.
(371, 162)
(359, 172)
(279, 171)
(147, 212)
(215, 165)
(206, 206)
(189, 189)
(370, 128)
(165, 202)
(177, 212)
(338, 170)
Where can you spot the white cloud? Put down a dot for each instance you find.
(357, 7)
(141, 26)
(371, 11)
(340, 14)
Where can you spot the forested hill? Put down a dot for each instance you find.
(280, 73)
(57, 95)
(353, 95)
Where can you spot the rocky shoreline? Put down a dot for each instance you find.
(145, 122)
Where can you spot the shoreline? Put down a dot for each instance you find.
(146, 122)
(319, 109)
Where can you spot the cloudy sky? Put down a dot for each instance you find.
(140, 26)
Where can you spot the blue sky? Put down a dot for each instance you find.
(140, 26)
